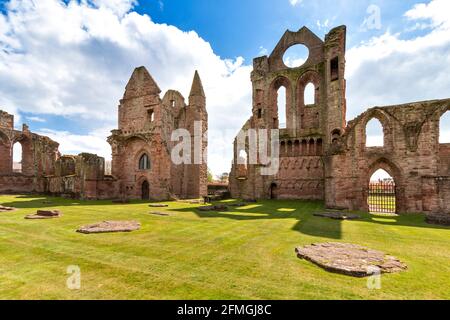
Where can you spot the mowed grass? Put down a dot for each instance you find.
(246, 253)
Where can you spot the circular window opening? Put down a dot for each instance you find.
(296, 56)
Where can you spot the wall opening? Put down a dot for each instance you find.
(150, 115)
(374, 134)
(242, 165)
(312, 150)
(444, 128)
(296, 56)
(282, 107)
(334, 69)
(381, 194)
(335, 135)
(17, 157)
(144, 162)
(145, 190)
(319, 147)
(310, 94)
(273, 191)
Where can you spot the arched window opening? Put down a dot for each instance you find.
(150, 115)
(17, 157)
(296, 56)
(444, 128)
(335, 135)
(334, 69)
(374, 134)
(282, 107)
(290, 149)
(309, 95)
(304, 147)
(242, 165)
(144, 162)
(243, 157)
(259, 113)
(381, 196)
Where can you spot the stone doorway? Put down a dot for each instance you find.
(382, 194)
(145, 190)
(273, 191)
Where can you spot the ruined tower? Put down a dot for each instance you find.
(141, 146)
(309, 129)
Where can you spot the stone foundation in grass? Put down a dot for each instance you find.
(158, 205)
(5, 209)
(110, 226)
(44, 214)
(350, 259)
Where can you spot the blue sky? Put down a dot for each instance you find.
(64, 65)
(238, 28)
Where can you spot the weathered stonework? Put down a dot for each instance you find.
(322, 156)
(39, 155)
(146, 123)
(350, 259)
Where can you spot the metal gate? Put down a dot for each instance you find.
(381, 197)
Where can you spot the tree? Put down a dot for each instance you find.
(210, 176)
(224, 177)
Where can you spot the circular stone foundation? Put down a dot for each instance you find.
(350, 259)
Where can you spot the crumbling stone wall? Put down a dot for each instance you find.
(309, 127)
(322, 157)
(39, 154)
(146, 123)
(411, 154)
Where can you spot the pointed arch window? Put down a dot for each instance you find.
(144, 162)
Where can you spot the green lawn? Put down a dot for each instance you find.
(247, 253)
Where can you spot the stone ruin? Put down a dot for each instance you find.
(6, 209)
(110, 226)
(141, 149)
(324, 157)
(350, 259)
(44, 214)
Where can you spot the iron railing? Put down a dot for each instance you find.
(381, 198)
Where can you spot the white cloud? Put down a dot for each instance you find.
(389, 69)
(36, 119)
(93, 142)
(75, 60)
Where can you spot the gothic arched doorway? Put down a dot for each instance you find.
(145, 190)
(382, 193)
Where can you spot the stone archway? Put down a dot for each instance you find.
(145, 190)
(394, 188)
(273, 191)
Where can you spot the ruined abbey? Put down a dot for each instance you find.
(324, 157)
(141, 151)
